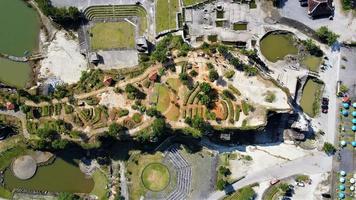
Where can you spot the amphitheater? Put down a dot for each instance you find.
(180, 166)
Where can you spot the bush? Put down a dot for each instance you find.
(327, 36)
(68, 109)
(270, 97)
(137, 117)
(302, 178)
(221, 183)
(229, 74)
(329, 148)
(193, 73)
(234, 90)
(245, 107)
(123, 112)
(312, 48)
(213, 75)
(343, 88)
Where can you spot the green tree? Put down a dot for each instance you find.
(327, 36)
(329, 148)
(213, 75)
(67, 196)
(343, 88)
(117, 130)
(59, 144)
(224, 171)
(205, 87)
(158, 127)
(221, 183)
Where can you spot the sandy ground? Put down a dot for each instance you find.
(111, 100)
(254, 88)
(312, 191)
(264, 157)
(63, 60)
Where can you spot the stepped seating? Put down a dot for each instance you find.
(102, 12)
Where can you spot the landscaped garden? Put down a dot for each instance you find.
(112, 35)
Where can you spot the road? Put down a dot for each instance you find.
(123, 182)
(317, 163)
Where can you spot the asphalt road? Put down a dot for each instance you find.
(317, 163)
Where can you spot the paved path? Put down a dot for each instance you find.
(316, 163)
(123, 181)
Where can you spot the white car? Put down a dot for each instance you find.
(300, 184)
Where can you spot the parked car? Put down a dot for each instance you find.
(325, 111)
(274, 181)
(325, 101)
(300, 184)
(326, 195)
(304, 3)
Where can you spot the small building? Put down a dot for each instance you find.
(225, 136)
(141, 45)
(320, 8)
(94, 58)
(153, 77)
(107, 80)
(10, 106)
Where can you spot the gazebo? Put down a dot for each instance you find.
(341, 195)
(354, 120)
(353, 143)
(345, 112)
(342, 173)
(342, 180)
(343, 143)
(342, 187)
(354, 113)
(354, 105)
(346, 105)
(353, 128)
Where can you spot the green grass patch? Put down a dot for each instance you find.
(244, 193)
(166, 14)
(163, 97)
(7, 156)
(100, 182)
(155, 177)
(4, 193)
(112, 35)
(174, 83)
(310, 101)
(191, 2)
(312, 63)
(240, 26)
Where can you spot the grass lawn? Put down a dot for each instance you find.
(312, 62)
(166, 14)
(112, 35)
(242, 194)
(173, 113)
(240, 26)
(100, 182)
(163, 97)
(135, 167)
(4, 193)
(7, 156)
(191, 2)
(310, 101)
(155, 177)
(174, 83)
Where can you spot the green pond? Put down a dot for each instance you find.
(14, 73)
(311, 97)
(312, 63)
(18, 34)
(276, 46)
(61, 176)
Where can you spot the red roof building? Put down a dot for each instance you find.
(10, 106)
(320, 8)
(153, 77)
(107, 80)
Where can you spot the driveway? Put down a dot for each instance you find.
(314, 164)
(342, 21)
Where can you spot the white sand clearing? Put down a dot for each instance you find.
(63, 60)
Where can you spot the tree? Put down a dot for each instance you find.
(117, 130)
(60, 92)
(213, 75)
(205, 87)
(193, 73)
(46, 134)
(343, 88)
(312, 48)
(158, 127)
(67, 196)
(224, 171)
(329, 148)
(153, 112)
(59, 144)
(25, 109)
(205, 99)
(221, 184)
(327, 36)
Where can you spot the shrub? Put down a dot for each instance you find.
(213, 75)
(193, 73)
(234, 90)
(123, 112)
(270, 97)
(245, 107)
(326, 35)
(329, 148)
(137, 117)
(229, 74)
(221, 183)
